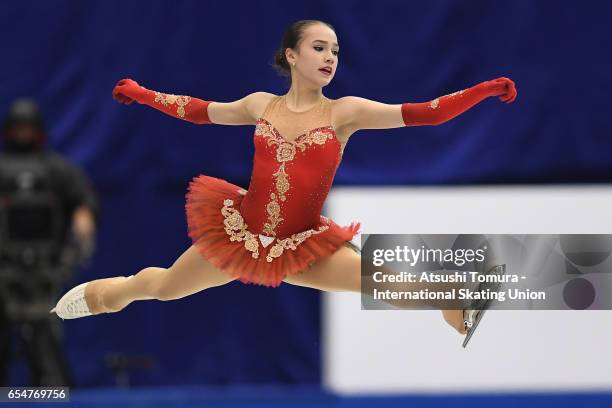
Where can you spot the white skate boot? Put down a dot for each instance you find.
(73, 305)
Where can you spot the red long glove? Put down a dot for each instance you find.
(182, 107)
(446, 107)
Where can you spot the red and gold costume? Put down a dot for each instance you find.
(274, 228)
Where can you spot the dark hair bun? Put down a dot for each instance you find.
(281, 64)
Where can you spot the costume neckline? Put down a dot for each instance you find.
(284, 102)
(277, 133)
(294, 141)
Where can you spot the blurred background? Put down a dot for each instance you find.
(99, 191)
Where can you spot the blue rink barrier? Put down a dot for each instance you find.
(273, 396)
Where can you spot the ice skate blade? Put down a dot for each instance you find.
(471, 330)
(472, 325)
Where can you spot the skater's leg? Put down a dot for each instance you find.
(189, 274)
(341, 272)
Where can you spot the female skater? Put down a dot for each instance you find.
(273, 231)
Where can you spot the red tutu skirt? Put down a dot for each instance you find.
(222, 237)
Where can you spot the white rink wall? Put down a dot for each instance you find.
(415, 351)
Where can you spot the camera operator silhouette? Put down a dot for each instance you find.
(48, 215)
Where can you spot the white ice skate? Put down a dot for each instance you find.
(73, 305)
(472, 317)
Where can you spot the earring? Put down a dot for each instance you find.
(293, 64)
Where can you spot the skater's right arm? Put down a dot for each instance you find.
(188, 108)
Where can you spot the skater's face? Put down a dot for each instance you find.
(317, 49)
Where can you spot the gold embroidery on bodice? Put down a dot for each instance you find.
(286, 151)
(237, 229)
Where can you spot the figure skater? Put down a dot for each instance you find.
(273, 231)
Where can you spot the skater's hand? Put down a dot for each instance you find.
(455, 319)
(504, 88)
(127, 91)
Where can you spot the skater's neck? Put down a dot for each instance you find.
(302, 98)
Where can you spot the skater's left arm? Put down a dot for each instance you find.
(360, 113)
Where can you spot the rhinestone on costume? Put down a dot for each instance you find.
(265, 240)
